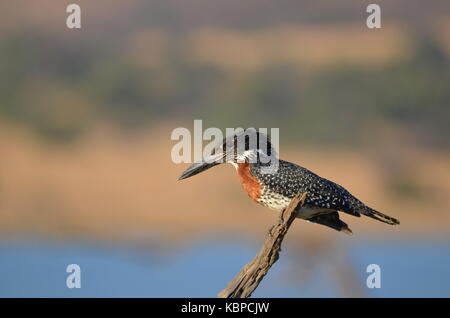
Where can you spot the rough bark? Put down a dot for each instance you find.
(248, 279)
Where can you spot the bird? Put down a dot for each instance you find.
(273, 183)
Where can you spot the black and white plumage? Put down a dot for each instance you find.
(324, 196)
(274, 188)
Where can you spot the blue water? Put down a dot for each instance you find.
(412, 268)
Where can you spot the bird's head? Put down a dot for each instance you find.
(245, 146)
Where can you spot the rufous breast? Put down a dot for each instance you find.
(249, 183)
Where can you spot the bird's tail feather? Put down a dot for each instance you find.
(378, 216)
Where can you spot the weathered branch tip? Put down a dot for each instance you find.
(248, 279)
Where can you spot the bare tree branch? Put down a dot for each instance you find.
(248, 279)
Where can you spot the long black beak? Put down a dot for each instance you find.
(201, 165)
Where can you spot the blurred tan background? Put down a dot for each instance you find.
(86, 115)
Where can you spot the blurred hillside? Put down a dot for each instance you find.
(86, 115)
(310, 67)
